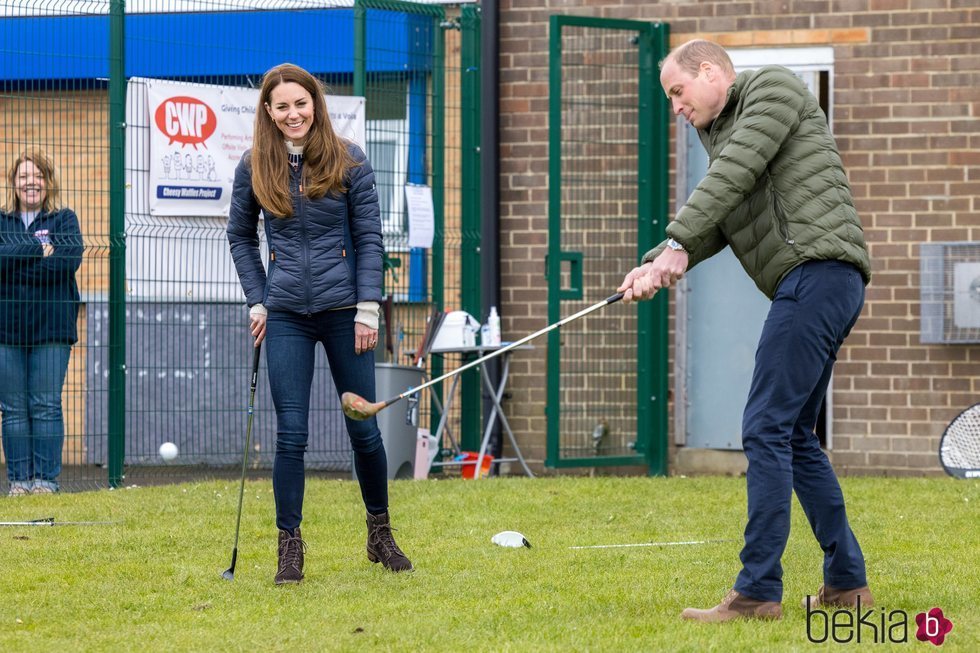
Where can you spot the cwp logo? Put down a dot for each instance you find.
(185, 120)
(933, 626)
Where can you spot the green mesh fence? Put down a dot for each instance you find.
(179, 315)
(63, 118)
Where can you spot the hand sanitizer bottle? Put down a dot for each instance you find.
(494, 323)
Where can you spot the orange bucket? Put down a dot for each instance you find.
(468, 463)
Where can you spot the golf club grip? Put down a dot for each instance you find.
(585, 311)
(255, 367)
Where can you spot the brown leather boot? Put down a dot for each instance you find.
(837, 598)
(381, 545)
(291, 549)
(736, 606)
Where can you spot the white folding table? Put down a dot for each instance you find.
(496, 393)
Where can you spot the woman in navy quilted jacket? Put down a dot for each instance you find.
(40, 251)
(323, 229)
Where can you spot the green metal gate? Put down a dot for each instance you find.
(607, 377)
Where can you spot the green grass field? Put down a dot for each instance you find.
(151, 581)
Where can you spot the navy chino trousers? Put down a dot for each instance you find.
(814, 309)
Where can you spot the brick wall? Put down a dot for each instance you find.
(907, 120)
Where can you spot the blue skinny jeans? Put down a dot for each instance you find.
(31, 379)
(291, 341)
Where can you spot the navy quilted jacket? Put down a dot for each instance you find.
(327, 255)
(38, 294)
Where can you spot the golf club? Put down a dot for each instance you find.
(624, 546)
(50, 521)
(229, 574)
(358, 408)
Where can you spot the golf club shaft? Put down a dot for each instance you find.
(514, 345)
(248, 442)
(49, 521)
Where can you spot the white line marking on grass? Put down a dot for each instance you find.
(624, 546)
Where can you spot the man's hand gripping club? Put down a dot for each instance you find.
(644, 281)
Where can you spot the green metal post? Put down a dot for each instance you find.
(553, 264)
(648, 230)
(360, 49)
(654, 171)
(117, 243)
(651, 387)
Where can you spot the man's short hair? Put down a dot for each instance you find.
(690, 55)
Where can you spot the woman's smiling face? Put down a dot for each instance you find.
(291, 108)
(29, 186)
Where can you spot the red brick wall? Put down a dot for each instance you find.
(907, 120)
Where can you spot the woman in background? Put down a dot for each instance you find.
(323, 228)
(40, 252)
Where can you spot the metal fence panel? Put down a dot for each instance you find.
(173, 365)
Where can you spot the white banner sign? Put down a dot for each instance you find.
(198, 134)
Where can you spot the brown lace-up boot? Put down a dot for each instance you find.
(381, 545)
(291, 548)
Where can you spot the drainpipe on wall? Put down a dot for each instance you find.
(490, 189)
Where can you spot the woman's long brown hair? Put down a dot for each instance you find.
(325, 156)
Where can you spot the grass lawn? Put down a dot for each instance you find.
(151, 580)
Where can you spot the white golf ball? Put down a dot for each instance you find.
(168, 451)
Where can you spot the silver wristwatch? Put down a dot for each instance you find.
(674, 245)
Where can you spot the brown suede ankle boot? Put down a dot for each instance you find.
(381, 545)
(291, 548)
(838, 598)
(736, 606)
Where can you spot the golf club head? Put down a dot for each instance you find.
(229, 573)
(358, 408)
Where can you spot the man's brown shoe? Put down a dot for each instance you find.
(835, 598)
(736, 606)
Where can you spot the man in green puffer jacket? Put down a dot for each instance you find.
(777, 194)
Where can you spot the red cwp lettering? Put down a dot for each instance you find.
(185, 120)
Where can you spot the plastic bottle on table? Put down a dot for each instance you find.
(493, 322)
